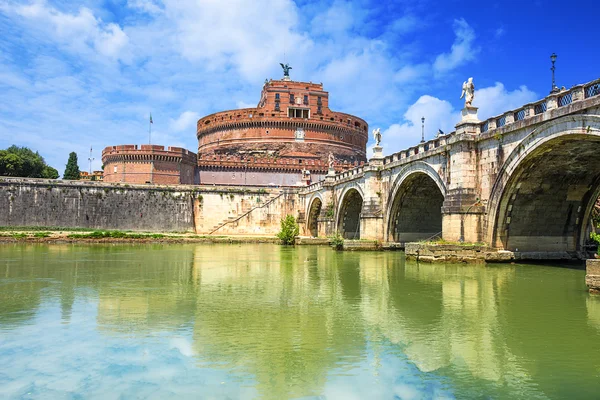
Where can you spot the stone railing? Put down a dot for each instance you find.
(313, 187)
(421, 148)
(350, 173)
(555, 100)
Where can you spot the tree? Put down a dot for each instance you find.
(289, 230)
(23, 162)
(72, 170)
(49, 173)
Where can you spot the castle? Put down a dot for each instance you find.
(286, 140)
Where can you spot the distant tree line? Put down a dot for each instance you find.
(23, 162)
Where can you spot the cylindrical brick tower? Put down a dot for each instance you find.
(149, 164)
(285, 140)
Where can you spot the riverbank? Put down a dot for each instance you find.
(69, 235)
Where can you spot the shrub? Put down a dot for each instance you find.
(289, 230)
(596, 238)
(337, 241)
(329, 211)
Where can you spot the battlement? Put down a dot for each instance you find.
(147, 152)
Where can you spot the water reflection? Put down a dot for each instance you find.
(306, 321)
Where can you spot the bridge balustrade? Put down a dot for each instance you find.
(565, 99)
(592, 90)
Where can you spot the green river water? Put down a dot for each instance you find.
(265, 321)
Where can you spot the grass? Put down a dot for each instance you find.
(41, 228)
(24, 232)
(115, 235)
(41, 234)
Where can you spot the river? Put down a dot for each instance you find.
(266, 321)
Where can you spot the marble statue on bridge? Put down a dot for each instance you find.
(377, 136)
(468, 92)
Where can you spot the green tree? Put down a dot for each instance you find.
(23, 162)
(72, 170)
(289, 230)
(49, 173)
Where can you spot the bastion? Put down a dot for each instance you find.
(149, 164)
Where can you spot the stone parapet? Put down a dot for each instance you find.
(592, 275)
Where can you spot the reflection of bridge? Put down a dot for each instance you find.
(523, 181)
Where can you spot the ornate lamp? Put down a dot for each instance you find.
(554, 88)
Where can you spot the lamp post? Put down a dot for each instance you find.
(422, 129)
(554, 88)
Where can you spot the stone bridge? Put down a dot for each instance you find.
(524, 181)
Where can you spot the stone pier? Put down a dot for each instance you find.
(592, 275)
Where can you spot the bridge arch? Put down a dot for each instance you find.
(315, 206)
(349, 212)
(543, 195)
(415, 202)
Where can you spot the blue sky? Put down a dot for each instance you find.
(75, 74)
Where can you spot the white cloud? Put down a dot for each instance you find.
(411, 73)
(496, 99)
(337, 19)
(185, 121)
(440, 114)
(462, 49)
(81, 32)
(406, 23)
(147, 6)
(250, 38)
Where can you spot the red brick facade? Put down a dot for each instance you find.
(149, 164)
(291, 131)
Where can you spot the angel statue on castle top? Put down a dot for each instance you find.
(468, 92)
(286, 69)
(377, 136)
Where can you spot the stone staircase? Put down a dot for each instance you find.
(246, 209)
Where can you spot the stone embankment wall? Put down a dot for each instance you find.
(201, 209)
(592, 277)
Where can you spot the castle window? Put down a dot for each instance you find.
(298, 113)
(277, 106)
(276, 96)
(319, 101)
(305, 99)
(319, 111)
(291, 98)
